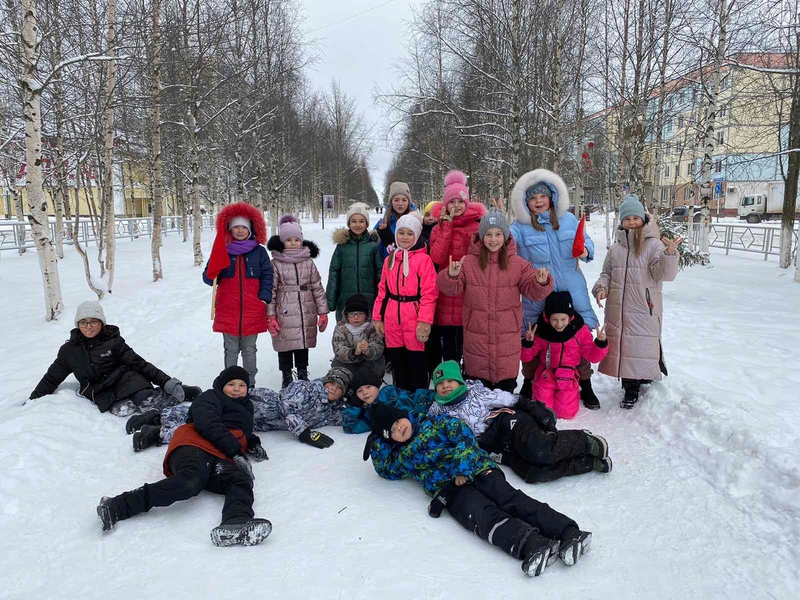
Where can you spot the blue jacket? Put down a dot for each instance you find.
(386, 235)
(357, 416)
(257, 266)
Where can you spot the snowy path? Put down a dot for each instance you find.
(704, 500)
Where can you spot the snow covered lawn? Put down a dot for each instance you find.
(704, 500)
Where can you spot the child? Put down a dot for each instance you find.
(365, 391)
(208, 453)
(561, 342)
(633, 273)
(398, 204)
(442, 454)
(241, 266)
(356, 263)
(429, 222)
(109, 373)
(404, 309)
(522, 432)
(491, 278)
(299, 299)
(355, 341)
(459, 220)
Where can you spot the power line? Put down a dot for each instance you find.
(363, 12)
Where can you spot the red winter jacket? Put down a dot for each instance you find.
(492, 310)
(452, 239)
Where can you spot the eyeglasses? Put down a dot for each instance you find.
(357, 313)
(84, 323)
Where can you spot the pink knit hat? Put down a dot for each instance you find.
(455, 186)
(289, 227)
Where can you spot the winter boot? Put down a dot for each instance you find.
(603, 465)
(596, 445)
(139, 420)
(107, 513)
(250, 533)
(631, 387)
(538, 553)
(148, 435)
(588, 396)
(287, 378)
(302, 374)
(526, 391)
(190, 392)
(574, 544)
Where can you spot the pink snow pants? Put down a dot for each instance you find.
(559, 390)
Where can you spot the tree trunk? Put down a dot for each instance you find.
(60, 196)
(155, 124)
(87, 270)
(555, 133)
(791, 181)
(20, 210)
(108, 154)
(195, 172)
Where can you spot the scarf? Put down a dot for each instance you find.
(238, 247)
(357, 332)
(452, 397)
(292, 256)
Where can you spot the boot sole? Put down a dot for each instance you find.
(536, 563)
(572, 553)
(251, 534)
(600, 440)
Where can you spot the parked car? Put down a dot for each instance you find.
(681, 214)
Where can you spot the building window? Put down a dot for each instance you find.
(721, 138)
(689, 170)
(680, 121)
(666, 171)
(678, 148)
(668, 148)
(723, 111)
(717, 166)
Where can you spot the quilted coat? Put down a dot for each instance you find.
(492, 311)
(305, 404)
(355, 268)
(475, 406)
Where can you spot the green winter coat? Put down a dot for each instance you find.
(355, 268)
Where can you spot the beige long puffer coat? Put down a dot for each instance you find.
(634, 307)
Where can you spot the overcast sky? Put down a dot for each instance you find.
(360, 52)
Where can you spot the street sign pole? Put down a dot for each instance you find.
(322, 204)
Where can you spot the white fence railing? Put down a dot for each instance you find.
(756, 239)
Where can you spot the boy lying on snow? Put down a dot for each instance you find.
(442, 454)
(207, 453)
(296, 408)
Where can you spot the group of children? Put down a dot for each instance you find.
(451, 284)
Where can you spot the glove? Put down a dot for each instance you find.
(258, 452)
(439, 502)
(423, 331)
(323, 323)
(241, 462)
(273, 327)
(316, 439)
(373, 437)
(174, 389)
(543, 415)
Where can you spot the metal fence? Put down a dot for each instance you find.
(756, 239)
(17, 234)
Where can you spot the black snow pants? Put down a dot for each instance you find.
(194, 471)
(503, 515)
(409, 368)
(533, 453)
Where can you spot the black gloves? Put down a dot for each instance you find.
(258, 452)
(439, 503)
(544, 416)
(241, 462)
(368, 446)
(316, 439)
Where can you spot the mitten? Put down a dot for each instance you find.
(368, 446)
(323, 323)
(174, 389)
(241, 462)
(316, 439)
(273, 327)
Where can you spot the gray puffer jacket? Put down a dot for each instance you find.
(634, 306)
(297, 297)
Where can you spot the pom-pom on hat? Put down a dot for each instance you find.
(455, 186)
(289, 227)
(91, 309)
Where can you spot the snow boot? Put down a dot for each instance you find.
(526, 391)
(574, 544)
(287, 379)
(148, 435)
(603, 465)
(538, 553)
(588, 396)
(139, 420)
(631, 387)
(302, 374)
(107, 513)
(190, 392)
(250, 533)
(596, 444)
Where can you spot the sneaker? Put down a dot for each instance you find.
(250, 533)
(106, 513)
(597, 445)
(603, 465)
(539, 553)
(147, 436)
(139, 420)
(190, 392)
(574, 544)
(588, 397)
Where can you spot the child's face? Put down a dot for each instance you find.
(559, 321)
(293, 243)
(358, 224)
(405, 238)
(402, 430)
(356, 318)
(334, 392)
(457, 207)
(367, 393)
(494, 239)
(400, 204)
(538, 203)
(448, 386)
(632, 223)
(235, 388)
(428, 219)
(240, 232)
(90, 327)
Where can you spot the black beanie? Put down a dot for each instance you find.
(231, 373)
(356, 303)
(559, 302)
(383, 417)
(365, 376)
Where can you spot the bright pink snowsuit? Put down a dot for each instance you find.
(556, 381)
(404, 301)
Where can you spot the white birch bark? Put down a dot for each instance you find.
(108, 151)
(155, 124)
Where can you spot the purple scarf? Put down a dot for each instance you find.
(292, 256)
(236, 247)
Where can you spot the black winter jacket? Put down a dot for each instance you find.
(107, 369)
(213, 414)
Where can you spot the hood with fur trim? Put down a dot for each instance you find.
(341, 236)
(560, 194)
(248, 211)
(275, 243)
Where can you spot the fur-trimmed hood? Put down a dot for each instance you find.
(275, 244)
(248, 211)
(553, 181)
(341, 236)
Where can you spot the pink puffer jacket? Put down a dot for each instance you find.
(492, 312)
(452, 239)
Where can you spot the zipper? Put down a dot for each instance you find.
(300, 301)
(622, 306)
(649, 302)
(240, 259)
(399, 269)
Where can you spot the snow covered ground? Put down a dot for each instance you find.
(704, 500)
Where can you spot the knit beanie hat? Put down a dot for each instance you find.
(355, 303)
(494, 218)
(412, 221)
(289, 227)
(455, 186)
(365, 376)
(559, 302)
(231, 373)
(383, 417)
(358, 208)
(538, 188)
(243, 221)
(91, 309)
(429, 206)
(339, 376)
(398, 187)
(631, 207)
(448, 370)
